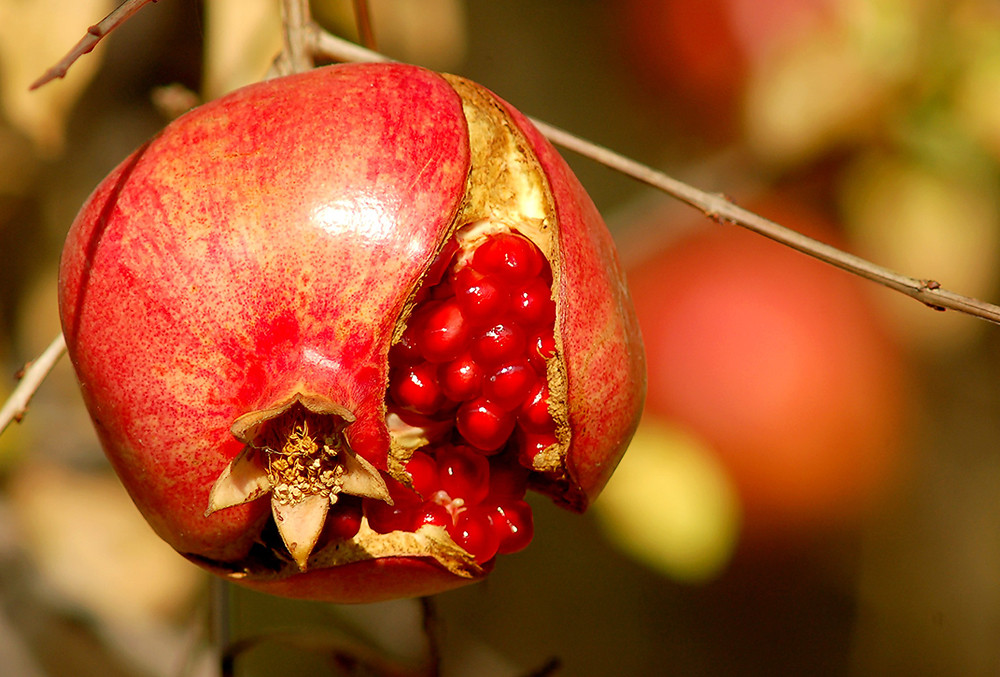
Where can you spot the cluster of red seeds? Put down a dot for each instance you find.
(479, 501)
(474, 352)
(471, 367)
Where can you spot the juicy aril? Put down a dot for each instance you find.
(331, 327)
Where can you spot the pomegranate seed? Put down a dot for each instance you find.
(478, 295)
(384, 518)
(533, 304)
(415, 388)
(463, 474)
(479, 339)
(534, 414)
(508, 480)
(513, 525)
(424, 473)
(433, 513)
(443, 332)
(484, 424)
(440, 268)
(498, 344)
(534, 444)
(343, 520)
(406, 351)
(461, 379)
(509, 385)
(474, 532)
(541, 347)
(509, 256)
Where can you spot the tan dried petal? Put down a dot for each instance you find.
(300, 523)
(245, 479)
(361, 478)
(428, 541)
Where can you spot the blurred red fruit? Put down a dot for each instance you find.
(779, 362)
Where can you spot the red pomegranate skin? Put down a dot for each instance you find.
(603, 351)
(262, 248)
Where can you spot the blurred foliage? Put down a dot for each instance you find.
(882, 113)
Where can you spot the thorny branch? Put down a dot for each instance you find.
(304, 40)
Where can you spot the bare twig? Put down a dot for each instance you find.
(34, 373)
(363, 20)
(329, 45)
(221, 630)
(717, 207)
(928, 292)
(94, 35)
(297, 56)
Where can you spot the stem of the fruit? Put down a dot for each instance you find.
(94, 35)
(34, 373)
(297, 56)
(717, 207)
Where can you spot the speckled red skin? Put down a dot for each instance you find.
(263, 246)
(364, 582)
(602, 345)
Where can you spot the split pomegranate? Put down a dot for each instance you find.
(332, 327)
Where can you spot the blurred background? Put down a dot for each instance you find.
(815, 487)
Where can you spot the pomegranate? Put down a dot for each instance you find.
(331, 327)
(781, 366)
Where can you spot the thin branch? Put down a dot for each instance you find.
(34, 373)
(717, 207)
(363, 20)
(329, 45)
(297, 27)
(94, 35)
(927, 291)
